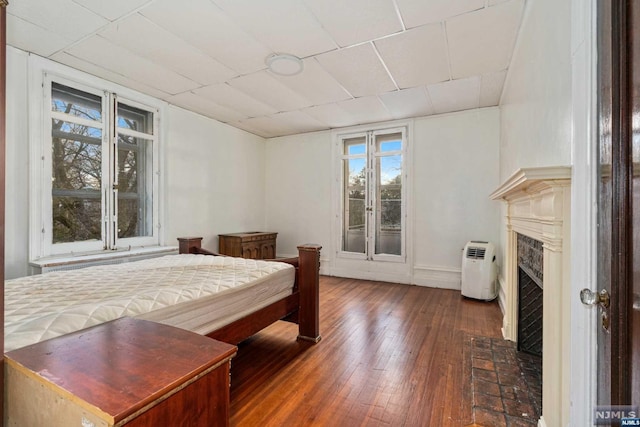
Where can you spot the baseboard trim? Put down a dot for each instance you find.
(437, 277)
(368, 275)
(541, 422)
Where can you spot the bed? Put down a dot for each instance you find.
(225, 298)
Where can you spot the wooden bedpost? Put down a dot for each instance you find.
(3, 77)
(185, 244)
(309, 285)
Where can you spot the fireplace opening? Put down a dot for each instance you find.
(530, 293)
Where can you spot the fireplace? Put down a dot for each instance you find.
(538, 208)
(530, 279)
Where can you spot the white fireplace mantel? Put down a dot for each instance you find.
(539, 206)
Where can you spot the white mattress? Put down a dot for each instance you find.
(195, 292)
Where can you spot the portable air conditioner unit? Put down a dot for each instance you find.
(479, 271)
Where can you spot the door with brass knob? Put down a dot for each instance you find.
(618, 268)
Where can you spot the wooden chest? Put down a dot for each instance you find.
(128, 372)
(253, 245)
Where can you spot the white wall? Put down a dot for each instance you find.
(536, 130)
(455, 168)
(214, 178)
(298, 190)
(213, 173)
(17, 167)
(536, 101)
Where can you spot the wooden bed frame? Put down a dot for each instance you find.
(301, 307)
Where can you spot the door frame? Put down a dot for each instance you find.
(581, 344)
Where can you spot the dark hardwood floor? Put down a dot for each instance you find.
(390, 355)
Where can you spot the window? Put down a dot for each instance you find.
(373, 195)
(99, 173)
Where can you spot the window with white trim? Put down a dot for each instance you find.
(100, 170)
(373, 207)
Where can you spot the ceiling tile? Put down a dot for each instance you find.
(332, 115)
(204, 106)
(358, 69)
(112, 9)
(108, 75)
(419, 12)
(491, 88)
(366, 110)
(455, 95)
(408, 103)
(482, 41)
(253, 128)
(416, 57)
(356, 21)
(32, 38)
(104, 54)
(150, 41)
(494, 2)
(63, 17)
(234, 99)
(286, 26)
(266, 127)
(206, 27)
(264, 87)
(300, 122)
(314, 84)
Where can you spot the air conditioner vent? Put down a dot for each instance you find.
(475, 253)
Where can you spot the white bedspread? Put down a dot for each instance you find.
(53, 304)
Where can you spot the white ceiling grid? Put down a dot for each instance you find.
(364, 60)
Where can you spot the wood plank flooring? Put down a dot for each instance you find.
(390, 355)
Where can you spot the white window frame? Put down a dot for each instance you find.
(370, 135)
(41, 73)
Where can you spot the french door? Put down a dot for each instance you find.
(618, 372)
(373, 208)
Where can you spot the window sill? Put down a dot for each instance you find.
(80, 260)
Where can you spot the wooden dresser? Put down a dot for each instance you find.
(128, 372)
(253, 245)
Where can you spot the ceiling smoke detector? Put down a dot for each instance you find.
(284, 64)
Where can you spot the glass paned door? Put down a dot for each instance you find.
(388, 194)
(373, 195)
(355, 195)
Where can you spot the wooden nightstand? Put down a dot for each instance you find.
(253, 245)
(128, 372)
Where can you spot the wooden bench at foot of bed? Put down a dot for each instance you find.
(124, 373)
(301, 307)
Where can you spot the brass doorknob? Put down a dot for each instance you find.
(589, 297)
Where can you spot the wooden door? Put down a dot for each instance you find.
(619, 202)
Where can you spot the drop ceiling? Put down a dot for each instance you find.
(364, 60)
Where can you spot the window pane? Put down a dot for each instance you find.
(135, 119)
(391, 142)
(76, 103)
(355, 146)
(354, 214)
(77, 218)
(76, 182)
(135, 187)
(389, 205)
